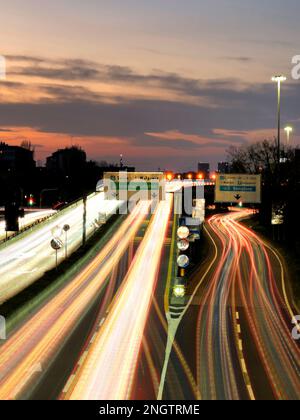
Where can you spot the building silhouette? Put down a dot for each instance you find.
(204, 169)
(67, 162)
(16, 159)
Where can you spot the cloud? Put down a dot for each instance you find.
(77, 110)
(54, 69)
(78, 70)
(24, 58)
(12, 84)
(67, 93)
(224, 111)
(6, 130)
(177, 139)
(240, 59)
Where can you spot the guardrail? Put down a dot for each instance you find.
(26, 228)
(42, 222)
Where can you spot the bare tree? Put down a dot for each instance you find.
(26, 144)
(254, 158)
(261, 158)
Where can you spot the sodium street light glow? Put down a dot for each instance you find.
(288, 131)
(279, 79)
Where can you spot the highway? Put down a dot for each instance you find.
(115, 330)
(27, 220)
(27, 356)
(108, 367)
(234, 331)
(26, 258)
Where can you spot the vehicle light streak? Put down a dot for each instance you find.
(37, 243)
(36, 343)
(27, 220)
(244, 276)
(108, 370)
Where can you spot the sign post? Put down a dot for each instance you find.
(56, 244)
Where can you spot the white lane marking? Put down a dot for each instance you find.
(69, 383)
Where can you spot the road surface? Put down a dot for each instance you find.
(26, 258)
(109, 365)
(233, 336)
(28, 355)
(230, 338)
(26, 221)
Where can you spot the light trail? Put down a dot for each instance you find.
(244, 276)
(27, 258)
(26, 221)
(109, 368)
(39, 340)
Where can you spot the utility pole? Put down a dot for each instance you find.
(84, 220)
(279, 80)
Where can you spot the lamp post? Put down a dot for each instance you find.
(288, 131)
(56, 244)
(279, 80)
(66, 229)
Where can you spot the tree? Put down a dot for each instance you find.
(280, 183)
(261, 158)
(26, 144)
(254, 158)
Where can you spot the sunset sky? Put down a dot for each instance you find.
(167, 83)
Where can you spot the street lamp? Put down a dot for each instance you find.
(279, 80)
(288, 131)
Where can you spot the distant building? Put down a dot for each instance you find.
(224, 167)
(16, 159)
(204, 168)
(67, 162)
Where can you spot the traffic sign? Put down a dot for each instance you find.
(56, 244)
(183, 232)
(183, 245)
(236, 187)
(183, 261)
